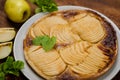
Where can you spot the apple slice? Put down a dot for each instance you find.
(5, 49)
(7, 34)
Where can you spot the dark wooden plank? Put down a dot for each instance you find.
(111, 8)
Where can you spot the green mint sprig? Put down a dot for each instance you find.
(10, 67)
(45, 5)
(45, 41)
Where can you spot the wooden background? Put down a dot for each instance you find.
(110, 8)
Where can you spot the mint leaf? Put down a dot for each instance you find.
(49, 44)
(8, 64)
(37, 10)
(45, 5)
(17, 65)
(13, 72)
(5, 67)
(45, 41)
(10, 67)
(39, 40)
(9, 60)
(2, 76)
(1, 67)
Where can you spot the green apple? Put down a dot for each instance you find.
(17, 10)
(7, 34)
(5, 49)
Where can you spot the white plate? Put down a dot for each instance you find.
(18, 45)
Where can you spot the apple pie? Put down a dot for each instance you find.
(85, 48)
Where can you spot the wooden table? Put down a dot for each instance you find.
(111, 8)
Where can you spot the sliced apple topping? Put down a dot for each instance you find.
(75, 53)
(7, 34)
(5, 49)
(89, 29)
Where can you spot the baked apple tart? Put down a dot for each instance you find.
(85, 47)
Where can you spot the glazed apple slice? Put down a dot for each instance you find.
(5, 49)
(7, 34)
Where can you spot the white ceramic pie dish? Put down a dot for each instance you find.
(18, 45)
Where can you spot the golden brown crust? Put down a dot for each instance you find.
(86, 45)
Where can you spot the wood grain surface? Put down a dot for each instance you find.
(110, 8)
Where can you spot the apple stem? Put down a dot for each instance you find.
(25, 15)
